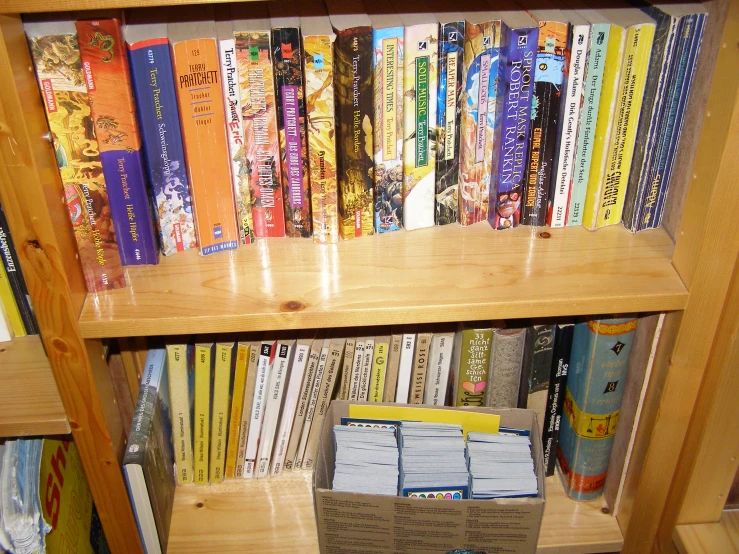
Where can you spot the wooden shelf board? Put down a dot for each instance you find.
(277, 515)
(709, 538)
(429, 275)
(31, 6)
(29, 398)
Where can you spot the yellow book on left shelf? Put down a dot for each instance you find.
(203, 369)
(11, 308)
(237, 406)
(219, 414)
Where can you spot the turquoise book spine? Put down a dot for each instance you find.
(599, 360)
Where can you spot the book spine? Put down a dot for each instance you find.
(321, 109)
(597, 374)
(364, 376)
(505, 204)
(6, 329)
(437, 377)
(221, 385)
(276, 391)
(393, 365)
(572, 104)
(236, 143)
(355, 113)
(379, 368)
(249, 388)
(474, 360)
(67, 107)
(303, 401)
(287, 53)
(407, 348)
(179, 393)
(15, 276)
(539, 370)
(545, 114)
(556, 395)
(197, 71)
(237, 406)
(346, 369)
(586, 134)
(106, 74)
(387, 66)
(650, 129)
(356, 369)
(420, 366)
(506, 359)
(623, 136)
(448, 120)
(476, 136)
(257, 88)
(7, 300)
(267, 352)
(203, 369)
(312, 403)
(156, 102)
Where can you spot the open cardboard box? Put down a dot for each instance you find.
(351, 523)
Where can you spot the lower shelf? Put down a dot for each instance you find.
(29, 398)
(707, 538)
(276, 515)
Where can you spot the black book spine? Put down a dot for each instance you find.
(143, 416)
(528, 354)
(555, 399)
(15, 276)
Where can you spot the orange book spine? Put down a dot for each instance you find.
(199, 95)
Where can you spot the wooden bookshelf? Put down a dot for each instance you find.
(29, 398)
(31, 6)
(440, 274)
(707, 538)
(277, 515)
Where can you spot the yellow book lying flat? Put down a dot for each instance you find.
(237, 405)
(203, 368)
(219, 414)
(470, 421)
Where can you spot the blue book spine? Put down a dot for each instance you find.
(156, 103)
(597, 377)
(505, 203)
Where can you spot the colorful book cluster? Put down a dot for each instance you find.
(343, 119)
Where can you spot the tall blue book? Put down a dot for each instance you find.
(156, 103)
(599, 361)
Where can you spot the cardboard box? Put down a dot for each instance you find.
(351, 523)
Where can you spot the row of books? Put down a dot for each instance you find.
(348, 119)
(16, 312)
(252, 408)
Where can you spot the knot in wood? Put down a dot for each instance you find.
(60, 345)
(544, 235)
(292, 306)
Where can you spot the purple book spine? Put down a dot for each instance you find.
(505, 203)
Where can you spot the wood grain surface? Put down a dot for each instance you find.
(276, 515)
(709, 538)
(431, 275)
(29, 398)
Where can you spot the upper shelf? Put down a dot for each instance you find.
(31, 6)
(429, 275)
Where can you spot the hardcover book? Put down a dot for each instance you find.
(598, 366)
(520, 51)
(318, 44)
(536, 369)
(221, 395)
(67, 107)
(15, 277)
(545, 113)
(106, 74)
(198, 73)
(449, 116)
(555, 398)
(354, 117)
(181, 389)
(506, 360)
(156, 103)
(470, 363)
(387, 66)
(592, 86)
(288, 58)
(420, 366)
(201, 406)
(235, 128)
(258, 108)
(241, 365)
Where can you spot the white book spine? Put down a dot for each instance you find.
(312, 404)
(364, 378)
(276, 391)
(356, 370)
(406, 368)
(437, 379)
(570, 123)
(306, 389)
(300, 361)
(266, 358)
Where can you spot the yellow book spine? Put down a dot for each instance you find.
(219, 415)
(379, 366)
(11, 308)
(179, 399)
(609, 94)
(623, 135)
(202, 412)
(237, 406)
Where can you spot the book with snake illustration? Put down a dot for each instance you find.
(107, 78)
(56, 58)
(159, 117)
(198, 83)
(257, 87)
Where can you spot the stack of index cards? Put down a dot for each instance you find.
(366, 460)
(500, 466)
(432, 461)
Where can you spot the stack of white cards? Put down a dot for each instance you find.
(500, 466)
(366, 460)
(432, 461)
